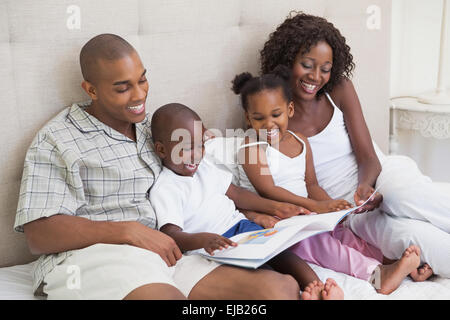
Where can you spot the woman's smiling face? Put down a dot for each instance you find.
(311, 71)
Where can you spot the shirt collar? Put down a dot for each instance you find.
(88, 123)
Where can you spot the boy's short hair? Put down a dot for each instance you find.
(169, 117)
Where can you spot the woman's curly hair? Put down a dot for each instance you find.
(299, 33)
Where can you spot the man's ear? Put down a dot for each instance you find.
(90, 89)
(160, 150)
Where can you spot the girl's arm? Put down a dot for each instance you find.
(369, 166)
(312, 186)
(248, 200)
(264, 220)
(314, 190)
(254, 163)
(259, 175)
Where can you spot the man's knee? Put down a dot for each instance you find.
(155, 291)
(279, 286)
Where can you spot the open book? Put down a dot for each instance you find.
(257, 247)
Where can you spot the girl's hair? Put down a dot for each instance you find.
(245, 84)
(299, 33)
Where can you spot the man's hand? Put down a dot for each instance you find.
(147, 238)
(363, 192)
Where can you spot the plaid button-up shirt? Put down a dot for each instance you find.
(76, 165)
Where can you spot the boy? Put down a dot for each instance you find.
(195, 201)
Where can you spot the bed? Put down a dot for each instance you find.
(15, 284)
(192, 48)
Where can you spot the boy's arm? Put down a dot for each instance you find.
(192, 241)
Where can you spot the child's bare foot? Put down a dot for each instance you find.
(392, 275)
(332, 291)
(422, 273)
(313, 291)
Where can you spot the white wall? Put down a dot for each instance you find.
(416, 28)
(415, 44)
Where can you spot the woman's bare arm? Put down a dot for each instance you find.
(369, 167)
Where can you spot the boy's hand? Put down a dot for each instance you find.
(325, 206)
(285, 210)
(212, 241)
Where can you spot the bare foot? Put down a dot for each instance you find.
(392, 275)
(422, 273)
(313, 291)
(332, 291)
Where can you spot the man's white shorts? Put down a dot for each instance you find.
(106, 271)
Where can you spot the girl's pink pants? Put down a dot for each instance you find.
(342, 251)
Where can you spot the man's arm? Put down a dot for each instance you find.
(61, 233)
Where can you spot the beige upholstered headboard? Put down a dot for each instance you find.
(192, 49)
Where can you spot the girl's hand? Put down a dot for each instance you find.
(212, 241)
(264, 220)
(285, 210)
(326, 206)
(362, 193)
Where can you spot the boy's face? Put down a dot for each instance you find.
(120, 91)
(183, 155)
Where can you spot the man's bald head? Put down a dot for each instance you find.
(102, 47)
(170, 117)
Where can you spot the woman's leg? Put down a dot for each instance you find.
(408, 193)
(329, 252)
(393, 235)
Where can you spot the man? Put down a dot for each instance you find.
(84, 203)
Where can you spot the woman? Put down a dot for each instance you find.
(328, 112)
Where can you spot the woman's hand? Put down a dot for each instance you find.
(212, 241)
(363, 192)
(325, 206)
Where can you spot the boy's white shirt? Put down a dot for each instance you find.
(195, 204)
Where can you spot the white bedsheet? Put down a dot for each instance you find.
(15, 284)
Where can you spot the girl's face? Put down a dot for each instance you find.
(268, 113)
(311, 71)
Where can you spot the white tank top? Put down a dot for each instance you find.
(287, 172)
(334, 159)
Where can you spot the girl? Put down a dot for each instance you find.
(279, 165)
(328, 112)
